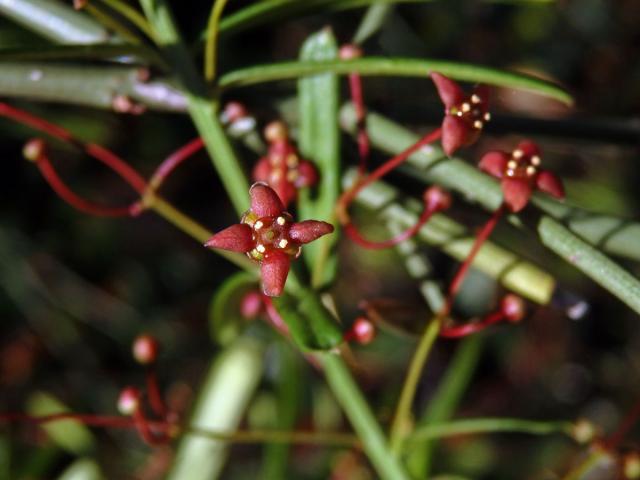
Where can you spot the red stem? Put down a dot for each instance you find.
(110, 421)
(77, 202)
(347, 197)
(627, 423)
(355, 86)
(353, 233)
(153, 391)
(173, 161)
(460, 275)
(459, 331)
(110, 159)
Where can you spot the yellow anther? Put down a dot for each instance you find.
(478, 124)
(535, 160)
(260, 248)
(258, 225)
(475, 98)
(280, 221)
(283, 243)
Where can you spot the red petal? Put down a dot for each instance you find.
(261, 170)
(264, 201)
(494, 163)
(237, 238)
(516, 193)
(449, 91)
(307, 174)
(274, 271)
(483, 92)
(286, 191)
(309, 230)
(547, 182)
(528, 148)
(454, 134)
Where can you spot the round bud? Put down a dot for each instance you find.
(631, 465)
(512, 307)
(128, 401)
(349, 52)
(435, 198)
(275, 132)
(145, 349)
(362, 331)
(251, 305)
(33, 149)
(233, 111)
(583, 431)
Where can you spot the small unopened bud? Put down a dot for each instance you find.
(362, 331)
(276, 132)
(145, 349)
(583, 431)
(349, 52)
(80, 4)
(33, 149)
(128, 401)
(232, 112)
(631, 465)
(251, 305)
(513, 308)
(435, 198)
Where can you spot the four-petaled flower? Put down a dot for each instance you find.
(465, 115)
(282, 169)
(521, 174)
(268, 235)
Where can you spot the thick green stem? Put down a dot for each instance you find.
(402, 421)
(202, 109)
(364, 423)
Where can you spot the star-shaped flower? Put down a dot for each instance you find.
(521, 174)
(465, 115)
(282, 169)
(269, 236)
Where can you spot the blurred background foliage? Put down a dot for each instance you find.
(75, 290)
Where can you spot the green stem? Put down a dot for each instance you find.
(132, 15)
(444, 402)
(203, 110)
(210, 47)
(331, 439)
(364, 423)
(113, 24)
(402, 423)
(489, 425)
(396, 67)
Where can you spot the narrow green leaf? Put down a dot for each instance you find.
(88, 86)
(70, 435)
(615, 235)
(372, 22)
(104, 51)
(56, 21)
(319, 141)
(225, 319)
(260, 13)
(395, 67)
(222, 400)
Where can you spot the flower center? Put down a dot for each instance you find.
(473, 111)
(522, 165)
(271, 234)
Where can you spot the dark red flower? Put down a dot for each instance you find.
(465, 115)
(268, 235)
(282, 168)
(521, 174)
